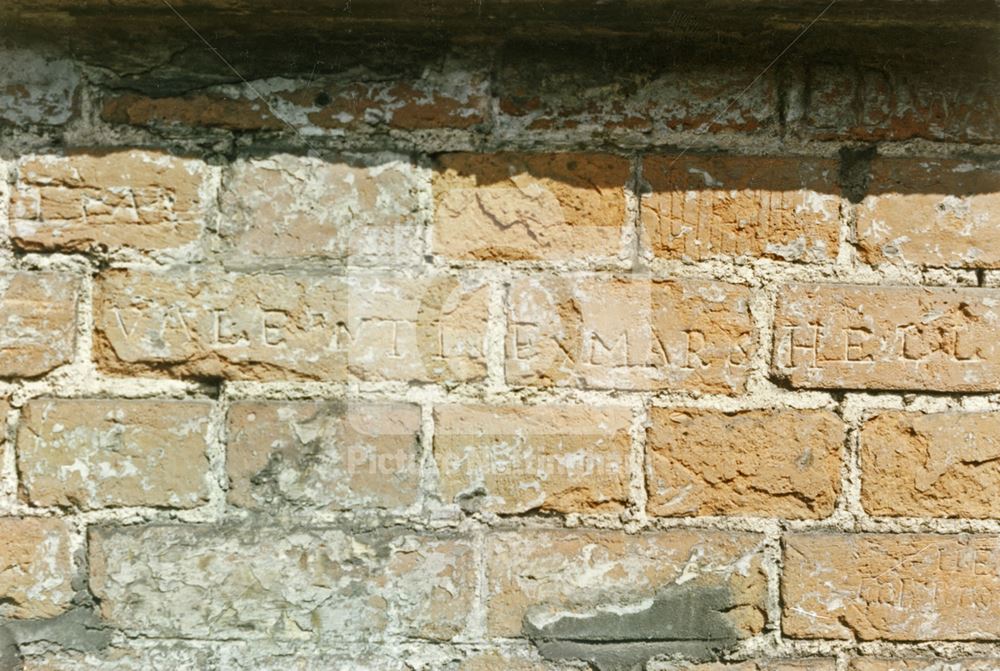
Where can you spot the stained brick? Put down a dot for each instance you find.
(551, 458)
(869, 337)
(783, 463)
(37, 322)
(36, 567)
(629, 334)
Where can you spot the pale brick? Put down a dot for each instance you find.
(899, 587)
(771, 463)
(37, 322)
(971, 664)
(36, 567)
(709, 207)
(529, 206)
(275, 326)
(260, 582)
(284, 208)
(931, 213)
(629, 334)
(95, 453)
(107, 200)
(935, 465)
(543, 574)
(327, 455)
(163, 656)
(867, 337)
(551, 458)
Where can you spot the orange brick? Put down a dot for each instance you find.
(867, 337)
(287, 208)
(936, 465)
(523, 206)
(548, 574)
(551, 458)
(898, 587)
(708, 207)
(781, 463)
(323, 455)
(107, 200)
(931, 213)
(629, 334)
(36, 567)
(95, 453)
(286, 326)
(930, 664)
(37, 322)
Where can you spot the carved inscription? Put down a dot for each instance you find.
(629, 334)
(887, 337)
(271, 326)
(897, 587)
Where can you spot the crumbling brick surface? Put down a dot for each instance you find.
(484, 352)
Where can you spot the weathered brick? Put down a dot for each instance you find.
(551, 458)
(899, 587)
(931, 213)
(36, 88)
(935, 664)
(258, 582)
(629, 334)
(727, 206)
(781, 463)
(37, 322)
(283, 207)
(107, 200)
(541, 576)
(328, 455)
(937, 465)
(164, 656)
(529, 206)
(458, 101)
(36, 567)
(95, 453)
(275, 326)
(868, 337)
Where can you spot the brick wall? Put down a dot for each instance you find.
(492, 361)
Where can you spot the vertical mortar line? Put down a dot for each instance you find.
(216, 452)
(428, 474)
(632, 235)
(8, 466)
(496, 334)
(83, 356)
(762, 306)
(847, 257)
(852, 409)
(8, 173)
(773, 564)
(478, 625)
(638, 495)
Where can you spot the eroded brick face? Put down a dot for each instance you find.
(37, 322)
(94, 453)
(707, 207)
(36, 567)
(758, 462)
(898, 587)
(867, 337)
(629, 334)
(145, 200)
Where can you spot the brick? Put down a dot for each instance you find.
(730, 206)
(326, 106)
(866, 337)
(96, 453)
(897, 587)
(36, 567)
(629, 334)
(931, 213)
(582, 91)
(550, 458)
(37, 89)
(144, 200)
(936, 664)
(769, 463)
(936, 465)
(287, 208)
(325, 455)
(282, 326)
(259, 582)
(543, 574)
(37, 322)
(529, 207)
(163, 656)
